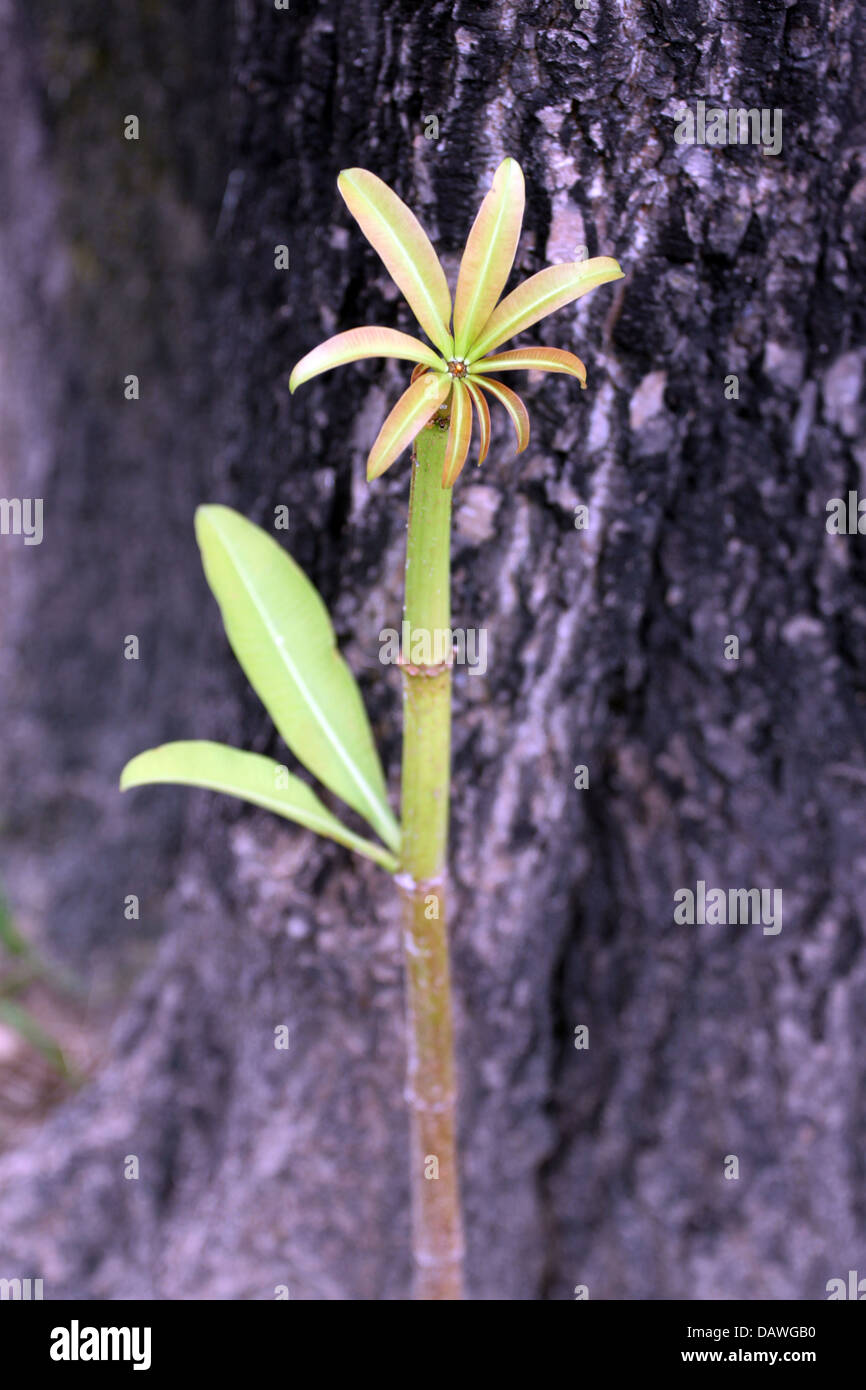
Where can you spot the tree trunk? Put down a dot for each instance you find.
(604, 1165)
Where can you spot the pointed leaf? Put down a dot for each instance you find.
(251, 777)
(541, 359)
(281, 634)
(417, 405)
(483, 420)
(515, 407)
(395, 233)
(489, 254)
(459, 434)
(357, 343)
(541, 295)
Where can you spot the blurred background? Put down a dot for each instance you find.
(724, 410)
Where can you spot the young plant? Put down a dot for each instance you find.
(280, 632)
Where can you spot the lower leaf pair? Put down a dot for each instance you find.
(282, 636)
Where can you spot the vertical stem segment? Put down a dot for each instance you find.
(437, 1237)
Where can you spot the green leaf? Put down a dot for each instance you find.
(459, 434)
(483, 414)
(540, 295)
(215, 767)
(281, 634)
(358, 343)
(537, 359)
(14, 1016)
(517, 411)
(395, 233)
(489, 254)
(415, 408)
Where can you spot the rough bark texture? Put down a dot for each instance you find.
(605, 1166)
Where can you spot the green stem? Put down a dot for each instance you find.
(437, 1238)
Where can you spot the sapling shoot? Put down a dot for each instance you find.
(281, 634)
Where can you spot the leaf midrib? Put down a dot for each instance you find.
(480, 281)
(494, 329)
(416, 274)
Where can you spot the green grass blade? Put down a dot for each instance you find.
(23, 1022)
(11, 939)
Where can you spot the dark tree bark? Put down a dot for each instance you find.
(604, 1166)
